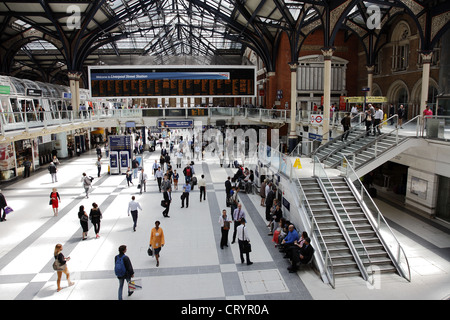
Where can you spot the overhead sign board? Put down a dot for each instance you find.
(369, 99)
(172, 81)
(34, 92)
(175, 124)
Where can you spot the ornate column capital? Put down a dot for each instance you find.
(426, 56)
(327, 53)
(74, 75)
(370, 69)
(293, 66)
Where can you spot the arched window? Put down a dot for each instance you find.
(400, 46)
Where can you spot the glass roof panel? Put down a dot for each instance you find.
(178, 22)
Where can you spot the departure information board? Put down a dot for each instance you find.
(172, 81)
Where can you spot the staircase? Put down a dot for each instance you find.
(343, 262)
(364, 148)
(366, 153)
(377, 254)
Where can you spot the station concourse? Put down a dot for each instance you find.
(287, 78)
(192, 265)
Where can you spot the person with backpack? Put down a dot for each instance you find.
(187, 171)
(123, 269)
(52, 170)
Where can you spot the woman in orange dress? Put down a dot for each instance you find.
(55, 199)
(157, 241)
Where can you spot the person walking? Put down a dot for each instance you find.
(52, 169)
(228, 187)
(238, 216)
(155, 168)
(54, 200)
(391, 113)
(368, 122)
(202, 186)
(133, 207)
(87, 182)
(243, 241)
(271, 195)
(175, 177)
(27, 167)
(3, 204)
(346, 122)
(262, 193)
(166, 183)
(123, 269)
(187, 171)
(142, 181)
(135, 166)
(179, 158)
(378, 117)
(401, 114)
(167, 200)
(225, 223)
(185, 194)
(62, 262)
(95, 216)
(99, 166)
(159, 174)
(129, 175)
(157, 240)
(84, 218)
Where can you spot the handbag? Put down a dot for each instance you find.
(57, 266)
(150, 251)
(226, 225)
(8, 209)
(246, 247)
(50, 202)
(135, 284)
(163, 204)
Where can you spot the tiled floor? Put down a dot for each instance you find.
(192, 265)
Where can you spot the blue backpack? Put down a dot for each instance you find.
(119, 268)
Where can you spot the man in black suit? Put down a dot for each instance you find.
(167, 199)
(303, 255)
(228, 188)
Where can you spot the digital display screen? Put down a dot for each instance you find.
(171, 81)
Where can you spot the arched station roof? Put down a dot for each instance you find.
(52, 37)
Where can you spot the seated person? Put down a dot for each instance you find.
(304, 255)
(295, 249)
(249, 178)
(290, 238)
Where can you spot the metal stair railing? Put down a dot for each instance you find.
(355, 243)
(361, 135)
(379, 224)
(295, 152)
(315, 233)
(381, 137)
